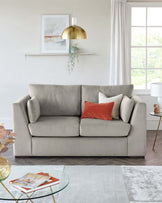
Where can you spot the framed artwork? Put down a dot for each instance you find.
(52, 28)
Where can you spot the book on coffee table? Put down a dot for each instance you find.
(32, 182)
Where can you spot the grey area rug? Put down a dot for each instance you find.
(94, 184)
(109, 184)
(113, 184)
(143, 183)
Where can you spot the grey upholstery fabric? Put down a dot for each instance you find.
(55, 126)
(57, 100)
(137, 136)
(79, 146)
(22, 146)
(33, 108)
(58, 135)
(90, 93)
(126, 108)
(102, 128)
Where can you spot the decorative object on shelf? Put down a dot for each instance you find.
(74, 31)
(156, 108)
(52, 28)
(73, 57)
(156, 91)
(6, 137)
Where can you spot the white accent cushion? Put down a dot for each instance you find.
(126, 108)
(117, 100)
(33, 108)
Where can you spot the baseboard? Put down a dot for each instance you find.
(7, 122)
(152, 124)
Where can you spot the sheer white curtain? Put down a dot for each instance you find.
(119, 69)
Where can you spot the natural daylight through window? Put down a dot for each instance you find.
(146, 46)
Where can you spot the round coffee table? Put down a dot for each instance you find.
(160, 116)
(9, 193)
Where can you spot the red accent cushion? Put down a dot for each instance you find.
(100, 111)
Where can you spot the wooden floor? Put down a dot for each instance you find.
(152, 157)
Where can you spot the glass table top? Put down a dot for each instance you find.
(19, 171)
(156, 114)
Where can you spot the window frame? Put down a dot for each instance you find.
(146, 5)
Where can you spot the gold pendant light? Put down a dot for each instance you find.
(74, 32)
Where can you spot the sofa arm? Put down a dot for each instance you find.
(137, 136)
(22, 146)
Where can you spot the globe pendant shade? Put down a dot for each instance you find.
(74, 32)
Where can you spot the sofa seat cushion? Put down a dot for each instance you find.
(103, 128)
(55, 126)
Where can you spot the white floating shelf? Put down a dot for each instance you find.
(58, 54)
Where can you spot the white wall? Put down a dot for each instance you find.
(20, 32)
(152, 121)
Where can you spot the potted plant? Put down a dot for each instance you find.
(73, 57)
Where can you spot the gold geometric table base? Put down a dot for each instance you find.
(153, 147)
(29, 197)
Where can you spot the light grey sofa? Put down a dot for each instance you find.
(60, 132)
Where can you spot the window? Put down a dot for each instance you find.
(146, 46)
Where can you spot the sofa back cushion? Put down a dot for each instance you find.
(57, 100)
(126, 108)
(90, 93)
(33, 109)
